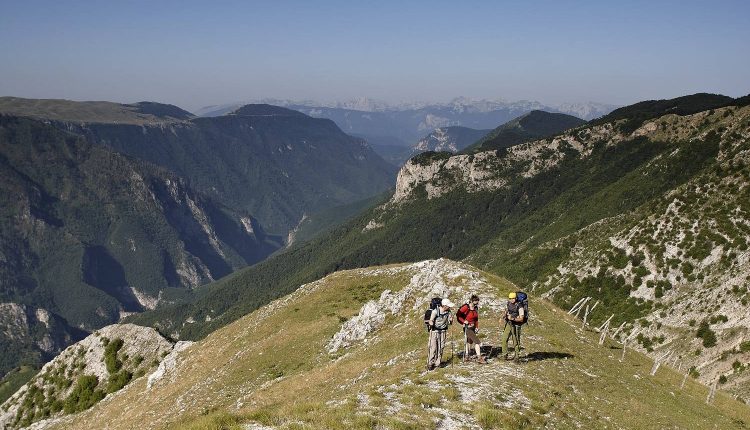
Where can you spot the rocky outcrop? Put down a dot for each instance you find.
(473, 172)
(167, 366)
(430, 278)
(27, 329)
(85, 373)
(451, 139)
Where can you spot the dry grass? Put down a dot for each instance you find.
(272, 369)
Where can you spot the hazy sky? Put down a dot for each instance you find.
(198, 53)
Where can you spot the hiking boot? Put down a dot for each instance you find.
(481, 360)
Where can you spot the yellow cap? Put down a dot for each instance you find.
(512, 295)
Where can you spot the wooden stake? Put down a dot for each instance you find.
(575, 306)
(624, 345)
(655, 367)
(712, 392)
(684, 379)
(595, 305)
(605, 323)
(614, 335)
(585, 316)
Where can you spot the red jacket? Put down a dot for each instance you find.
(468, 316)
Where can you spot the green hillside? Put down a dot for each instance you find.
(93, 112)
(637, 113)
(348, 352)
(533, 125)
(275, 163)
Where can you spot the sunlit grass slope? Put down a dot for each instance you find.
(277, 367)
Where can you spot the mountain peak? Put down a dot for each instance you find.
(162, 110)
(262, 109)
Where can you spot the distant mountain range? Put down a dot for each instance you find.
(404, 124)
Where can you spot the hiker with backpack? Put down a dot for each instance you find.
(468, 316)
(439, 321)
(515, 316)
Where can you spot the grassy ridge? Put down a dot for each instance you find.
(271, 367)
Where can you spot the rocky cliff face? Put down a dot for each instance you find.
(84, 374)
(36, 327)
(450, 139)
(271, 162)
(437, 174)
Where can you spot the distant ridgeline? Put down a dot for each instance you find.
(644, 210)
(109, 209)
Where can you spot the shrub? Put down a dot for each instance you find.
(118, 380)
(693, 372)
(110, 355)
(722, 379)
(84, 395)
(704, 332)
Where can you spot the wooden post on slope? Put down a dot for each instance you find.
(603, 336)
(604, 330)
(619, 329)
(575, 306)
(684, 379)
(658, 362)
(712, 392)
(624, 345)
(585, 317)
(594, 307)
(580, 307)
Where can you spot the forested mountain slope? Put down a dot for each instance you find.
(89, 235)
(275, 163)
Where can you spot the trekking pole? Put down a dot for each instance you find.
(502, 336)
(453, 346)
(429, 342)
(466, 344)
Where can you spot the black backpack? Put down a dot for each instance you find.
(523, 299)
(434, 303)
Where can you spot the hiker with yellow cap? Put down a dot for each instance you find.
(514, 317)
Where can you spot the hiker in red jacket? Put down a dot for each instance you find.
(468, 316)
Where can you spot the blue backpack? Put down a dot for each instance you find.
(523, 299)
